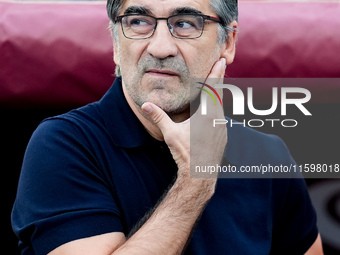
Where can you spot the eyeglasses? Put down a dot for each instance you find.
(183, 26)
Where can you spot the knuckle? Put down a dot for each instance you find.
(158, 117)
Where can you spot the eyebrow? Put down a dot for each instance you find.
(145, 11)
(137, 10)
(185, 10)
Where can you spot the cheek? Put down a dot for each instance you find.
(129, 55)
(125, 57)
(203, 62)
(201, 55)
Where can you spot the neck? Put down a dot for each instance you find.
(153, 129)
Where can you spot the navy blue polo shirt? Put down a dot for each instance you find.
(96, 170)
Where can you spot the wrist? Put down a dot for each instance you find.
(193, 191)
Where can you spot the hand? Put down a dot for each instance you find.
(202, 145)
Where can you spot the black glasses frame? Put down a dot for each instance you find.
(205, 17)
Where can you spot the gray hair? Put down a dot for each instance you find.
(226, 10)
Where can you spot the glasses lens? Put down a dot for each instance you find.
(186, 26)
(138, 26)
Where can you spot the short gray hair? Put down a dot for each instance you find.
(226, 10)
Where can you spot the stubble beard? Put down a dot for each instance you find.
(171, 94)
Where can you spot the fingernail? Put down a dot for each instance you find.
(224, 63)
(148, 108)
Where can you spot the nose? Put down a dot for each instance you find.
(162, 43)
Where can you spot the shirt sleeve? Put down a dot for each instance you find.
(62, 194)
(294, 220)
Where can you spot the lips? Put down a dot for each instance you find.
(162, 72)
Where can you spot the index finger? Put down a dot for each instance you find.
(216, 95)
(217, 74)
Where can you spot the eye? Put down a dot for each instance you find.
(138, 21)
(184, 24)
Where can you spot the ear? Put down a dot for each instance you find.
(115, 46)
(115, 52)
(229, 47)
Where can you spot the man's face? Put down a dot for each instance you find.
(159, 69)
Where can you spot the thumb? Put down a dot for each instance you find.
(158, 116)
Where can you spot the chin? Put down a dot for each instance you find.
(170, 103)
(178, 110)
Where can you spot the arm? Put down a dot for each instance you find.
(168, 229)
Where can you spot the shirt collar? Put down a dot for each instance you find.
(124, 127)
(128, 132)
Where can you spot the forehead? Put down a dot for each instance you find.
(163, 8)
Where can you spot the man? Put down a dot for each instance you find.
(113, 177)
